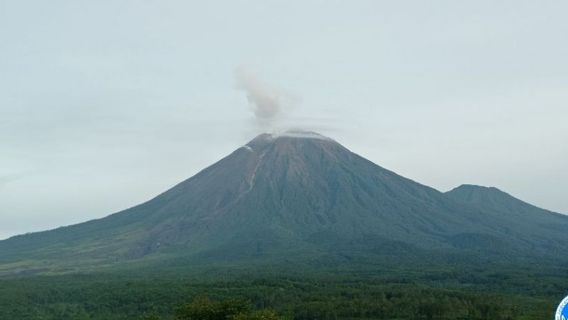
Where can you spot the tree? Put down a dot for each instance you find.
(202, 308)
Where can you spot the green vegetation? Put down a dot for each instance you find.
(446, 295)
(202, 308)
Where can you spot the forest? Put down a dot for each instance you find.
(475, 295)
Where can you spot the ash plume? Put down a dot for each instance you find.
(267, 102)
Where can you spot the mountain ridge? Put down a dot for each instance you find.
(487, 192)
(294, 195)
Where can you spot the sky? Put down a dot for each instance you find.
(105, 104)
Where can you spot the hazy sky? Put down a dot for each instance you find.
(105, 104)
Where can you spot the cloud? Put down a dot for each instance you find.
(6, 179)
(268, 102)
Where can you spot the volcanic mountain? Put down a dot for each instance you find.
(297, 197)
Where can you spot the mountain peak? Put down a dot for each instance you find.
(288, 135)
(298, 134)
(475, 188)
(476, 193)
(490, 198)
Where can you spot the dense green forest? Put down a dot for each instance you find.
(443, 295)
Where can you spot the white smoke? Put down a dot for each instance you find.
(267, 102)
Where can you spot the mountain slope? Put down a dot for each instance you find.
(290, 196)
(533, 222)
(494, 199)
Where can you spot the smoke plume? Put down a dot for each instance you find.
(267, 102)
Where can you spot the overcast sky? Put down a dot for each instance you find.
(105, 104)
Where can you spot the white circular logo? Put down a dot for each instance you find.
(562, 311)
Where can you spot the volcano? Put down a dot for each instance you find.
(298, 197)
